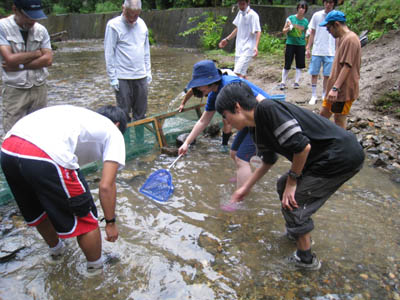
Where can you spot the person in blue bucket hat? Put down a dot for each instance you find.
(209, 81)
(343, 83)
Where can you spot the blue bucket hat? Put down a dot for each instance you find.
(334, 15)
(31, 8)
(204, 73)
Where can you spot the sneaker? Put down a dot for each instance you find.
(57, 254)
(282, 86)
(295, 261)
(313, 100)
(296, 85)
(224, 149)
(108, 259)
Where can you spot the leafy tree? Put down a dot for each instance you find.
(210, 29)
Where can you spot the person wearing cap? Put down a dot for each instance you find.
(322, 158)
(321, 49)
(25, 54)
(41, 158)
(209, 81)
(127, 56)
(247, 33)
(343, 83)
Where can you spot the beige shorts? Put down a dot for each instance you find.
(242, 64)
(17, 103)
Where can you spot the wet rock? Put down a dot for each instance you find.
(130, 175)
(362, 124)
(10, 246)
(212, 130)
(169, 151)
(373, 150)
(181, 139)
(395, 177)
(380, 163)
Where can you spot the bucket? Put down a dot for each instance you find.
(281, 97)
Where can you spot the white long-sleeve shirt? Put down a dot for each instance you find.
(127, 49)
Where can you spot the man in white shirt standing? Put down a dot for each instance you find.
(248, 33)
(127, 55)
(323, 47)
(41, 158)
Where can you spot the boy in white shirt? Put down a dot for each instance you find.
(248, 33)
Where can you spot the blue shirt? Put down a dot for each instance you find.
(227, 79)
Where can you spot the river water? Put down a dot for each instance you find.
(189, 248)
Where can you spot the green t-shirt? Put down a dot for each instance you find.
(297, 36)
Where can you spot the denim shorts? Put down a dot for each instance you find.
(244, 145)
(318, 61)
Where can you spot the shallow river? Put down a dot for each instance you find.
(189, 248)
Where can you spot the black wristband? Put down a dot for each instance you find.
(294, 175)
(108, 221)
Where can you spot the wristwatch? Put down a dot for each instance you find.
(294, 175)
(21, 66)
(108, 221)
(335, 89)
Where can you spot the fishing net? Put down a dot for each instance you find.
(158, 186)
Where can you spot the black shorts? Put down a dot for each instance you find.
(42, 189)
(297, 52)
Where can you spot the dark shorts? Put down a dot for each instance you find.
(244, 145)
(42, 189)
(311, 193)
(297, 52)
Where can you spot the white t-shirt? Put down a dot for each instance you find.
(324, 43)
(248, 24)
(72, 136)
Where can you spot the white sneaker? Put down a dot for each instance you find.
(313, 100)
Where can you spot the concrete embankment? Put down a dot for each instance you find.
(167, 24)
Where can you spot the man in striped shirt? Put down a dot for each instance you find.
(323, 156)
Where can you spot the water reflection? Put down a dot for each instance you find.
(189, 248)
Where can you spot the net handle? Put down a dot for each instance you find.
(170, 166)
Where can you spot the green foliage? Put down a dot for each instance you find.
(374, 16)
(2, 12)
(107, 6)
(152, 41)
(210, 29)
(269, 43)
(59, 10)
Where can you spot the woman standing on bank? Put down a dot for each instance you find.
(295, 28)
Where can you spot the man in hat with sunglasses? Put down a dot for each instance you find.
(25, 54)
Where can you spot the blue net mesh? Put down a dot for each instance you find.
(158, 186)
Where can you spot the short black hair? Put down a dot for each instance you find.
(334, 2)
(302, 4)
(197, 93)
(235, 92)
(115, 114)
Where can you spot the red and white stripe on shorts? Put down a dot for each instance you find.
(69, 179)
